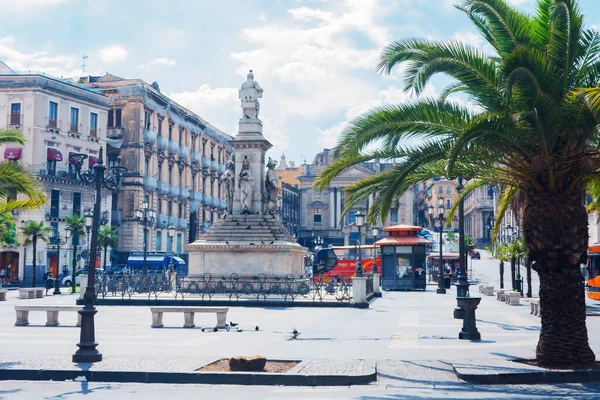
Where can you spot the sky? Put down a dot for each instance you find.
(315, 59)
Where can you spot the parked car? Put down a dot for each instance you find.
(475, 255)
(68, 280)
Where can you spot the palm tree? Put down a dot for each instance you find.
(33, 231)
(502, 251)
(76, 225)
(534, 132)
(107, 237)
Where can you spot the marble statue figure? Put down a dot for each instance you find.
(228, 178)
(249, 95)
(246, 186)
(272, 188)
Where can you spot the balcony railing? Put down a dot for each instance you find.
(162, 143)
(16, 119)
(221, 168)
(184, 194)
(205, 162)
(93, 133)
(149, 137)
(60, 172)
(182, 223)
(183, 153)
(173, 221)
(52, 123)
(163, 188)
(173, 148)
(173, 191)
(57, 213)
(162, 221)
(73, 129)
(485, 203)
(213, 165)
(196, 157)
(206, 199)
(150, 184)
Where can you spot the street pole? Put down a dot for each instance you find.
(375, 231)
(145, 244)
(462, 286)
(56, 280)
(360, 219)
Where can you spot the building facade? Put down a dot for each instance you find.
(290, 208)
(427, 194)
(175, 160)
(321, 220)
(479, 215)
(59, 118)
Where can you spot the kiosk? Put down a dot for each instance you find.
(403, 258)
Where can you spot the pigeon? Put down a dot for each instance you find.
(256, 328)
(237, 223)
(226, 242)
(248, 228)
(252, 244)
(233, 324)
(271, 242)
(295, 333)
(262, 242)
(202, 329)
(239, 330)
(215, 329)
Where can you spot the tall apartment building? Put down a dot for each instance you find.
(175, 160)
(58, 118)
(321, 211)
(479, 214)
(428, 194)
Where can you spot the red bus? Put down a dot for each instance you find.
(593, 272)
(341, 261)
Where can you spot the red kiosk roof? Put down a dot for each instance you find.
(403, 228)
(403, 240)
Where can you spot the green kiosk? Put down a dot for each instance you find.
(403, 258)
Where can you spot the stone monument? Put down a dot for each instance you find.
(250, 240)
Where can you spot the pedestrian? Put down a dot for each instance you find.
(3, 275)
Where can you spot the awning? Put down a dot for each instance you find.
(54, 155)
(92, 161)
(12, 154)
(403, 240)
(152, 262)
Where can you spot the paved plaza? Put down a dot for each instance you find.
(411, 335)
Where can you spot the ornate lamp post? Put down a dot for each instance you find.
(87, 351)
(441, 289)
(375, 232)
(145, 216)
(462, 286)
(360, 220)
(171, 234)
(89, 220)
(59, 242)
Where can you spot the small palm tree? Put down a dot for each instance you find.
(33, 231)
(107, 237)
(76, 225)
(501, 251)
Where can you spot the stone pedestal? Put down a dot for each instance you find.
(359, 290)
(172, 275)
(469, 330)
(83, 278)
(377, 285)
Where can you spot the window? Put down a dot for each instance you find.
(180, 136)
(394, 215)
(51, 165)
(160, 121)
(440, 189)
(159, 206)
(170, 174)
(170, 131)
(178, 250)
(52, 114)
(15, 114)
(54, 203)
(317, 215)
(111, 118)
(147, 166)
(158, 240)
(77, 204)
(147, 119)
(351, 217)
(118, 117)
(74, 120)
(448, 190)
(159, 170)
(448, 204)
(170, 209)
(181, 178)
(93, 124)
(180, 211)
(169, 244)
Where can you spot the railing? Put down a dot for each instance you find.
(213, 165)
(184, 194)
(149, 184)
(149, 137)
(233, 288)
(206, 199)
(73, 129)
(182, 223)
(60, 172)
(370, 290)
(173, 191)
(16, 119)
(196, 157)
(163, 188)
(183, 152)
(205, 162)
(485, 203)
(162, 143)
(57, 213)
(52, 123)
(93, 133)
(162, 221)
(173, 148)
(221, 168)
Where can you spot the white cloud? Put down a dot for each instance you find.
(37, 61)
(469, 38)
(112, 54)
(29, 6)
(159, 61)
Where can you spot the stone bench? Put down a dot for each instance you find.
(488, 290)
(188, 315)
(500, 294)
(3, 293)
(481, 288)
(31, 293)
(535, 307)
(513, 298)
(51, 313)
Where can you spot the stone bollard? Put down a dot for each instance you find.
(359, 291)
(377, 285)
(469, 329)
(173, 280)
(83, 278)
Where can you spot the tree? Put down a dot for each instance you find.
(502, 254)
(32, 231)
(76, 225)
(534, 133)
(107, 237)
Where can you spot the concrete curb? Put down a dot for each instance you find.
(224, 303)
(212, 378)
(530, 375)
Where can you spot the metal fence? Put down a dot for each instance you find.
(233, 288)
(369, 285)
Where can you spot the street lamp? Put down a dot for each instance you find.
(89, 220)
(462, 285)
(59, 242)
(375, 232)
(360, 220)
(145, 216)
(171, 234)
(441, 219)
(87, 351)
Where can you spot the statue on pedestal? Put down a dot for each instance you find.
(246, 186)
(228, 179)
(272, 188)
(249, 95)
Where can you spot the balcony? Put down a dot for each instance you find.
(183, 153)
(182, 223)
(149, 137)
(196, 196)
(196, 157)
(149, 184)
(173, 148)
(173, 221)
(221, 168)
(163, 188)
(162, 221)
(205, 162)
(115, 132)
(173, 191)
(16, 119)
(184, 194)
(485, 203)
(162, 143)
(116, 217)
(59, 173)
(195, 205)
(206, 200)
(57, 213)
(214, 165)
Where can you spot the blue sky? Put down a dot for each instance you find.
(315, 59)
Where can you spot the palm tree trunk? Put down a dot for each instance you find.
(105, 248)
(502, 274)
(34, 272)
(528, 272)
(556, 235)
(74, 269)
(513, 271)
